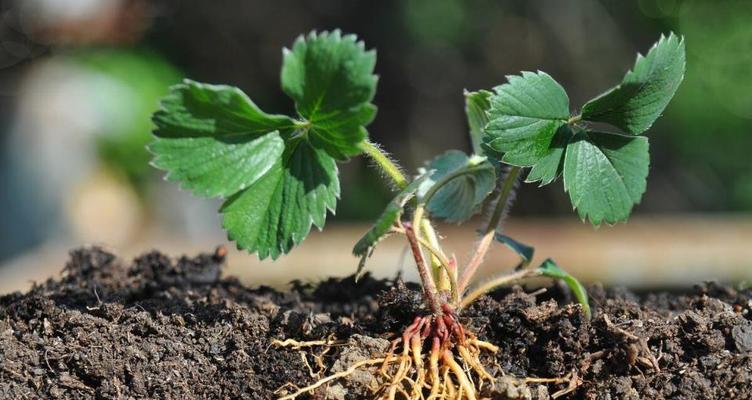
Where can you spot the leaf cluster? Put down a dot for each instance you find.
(529, 125)
(278, 174)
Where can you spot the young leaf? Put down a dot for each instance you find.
(551, 270)
(605, 174)
(214, 139)
(524, 117)
(274, 214)
(464, 183)
(331, 79)
(476, 105)
(642, 96)
(389, 217)
(524, 251)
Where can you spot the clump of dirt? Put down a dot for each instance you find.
(163, 328)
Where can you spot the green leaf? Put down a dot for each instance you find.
(551, 270)
(214, 139)
(548, 168)
(389, 217)
(524, 251)
(524, 117)
(644, 93)
(476, 106)
(195, 109)
(331, 79)
(457, 186)
(605, 174)
(274, 214)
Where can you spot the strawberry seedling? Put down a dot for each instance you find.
(278, 176)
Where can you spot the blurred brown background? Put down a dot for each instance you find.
(79, 79)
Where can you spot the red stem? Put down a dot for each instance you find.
(429, 286)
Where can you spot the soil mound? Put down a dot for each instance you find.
(177, 329)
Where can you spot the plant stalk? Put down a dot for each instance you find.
(389, 167)
(394, 172)
(496, 282)
(429, 286)
(488, 233)
(443, 181)
(438, 259)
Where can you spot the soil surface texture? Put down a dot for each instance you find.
(176, 329)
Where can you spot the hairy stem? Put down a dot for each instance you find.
(439, 261)
(490, 229)
(575, 119)
(443, 181)
(389, 167)
(443, 278)
(393, 171)
(496, 282)
(429, 286)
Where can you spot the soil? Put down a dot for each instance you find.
(176, 329)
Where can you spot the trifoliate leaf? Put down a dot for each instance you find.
(524, 116)
(605, 174)
(548, 168)
(476, 106)
(465, 183)
(331, 79)
(642, 96)
(551, 270)
(389, 217)
(524, 251)
(214, 139)
(274, 214)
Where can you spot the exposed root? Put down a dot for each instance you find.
(329, 378)
(296, 345)
(433, 359)
(638, 351)
(572, 380)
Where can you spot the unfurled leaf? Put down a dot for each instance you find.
(524, 251)
(605, 174)
(548, 168)
(331, 79)
(465, 183)
(476, 106)
(389, 217)
(274, 214)
(642, 96)
(278, 173)
(195, 109)
(524, 117)
(551, 270)
(218, 143)
(214, 139)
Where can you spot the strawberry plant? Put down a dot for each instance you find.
(278, 176)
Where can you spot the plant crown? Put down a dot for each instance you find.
(278, 174)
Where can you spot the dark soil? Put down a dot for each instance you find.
(176, 330)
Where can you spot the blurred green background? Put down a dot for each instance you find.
(79, 79)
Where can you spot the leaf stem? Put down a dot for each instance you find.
(389, 167)
(439, 261)
(443, 263)
(429, 286)
(488, 233)
(577, 118)
(394, 172)
(496, 282)
(443, 181)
